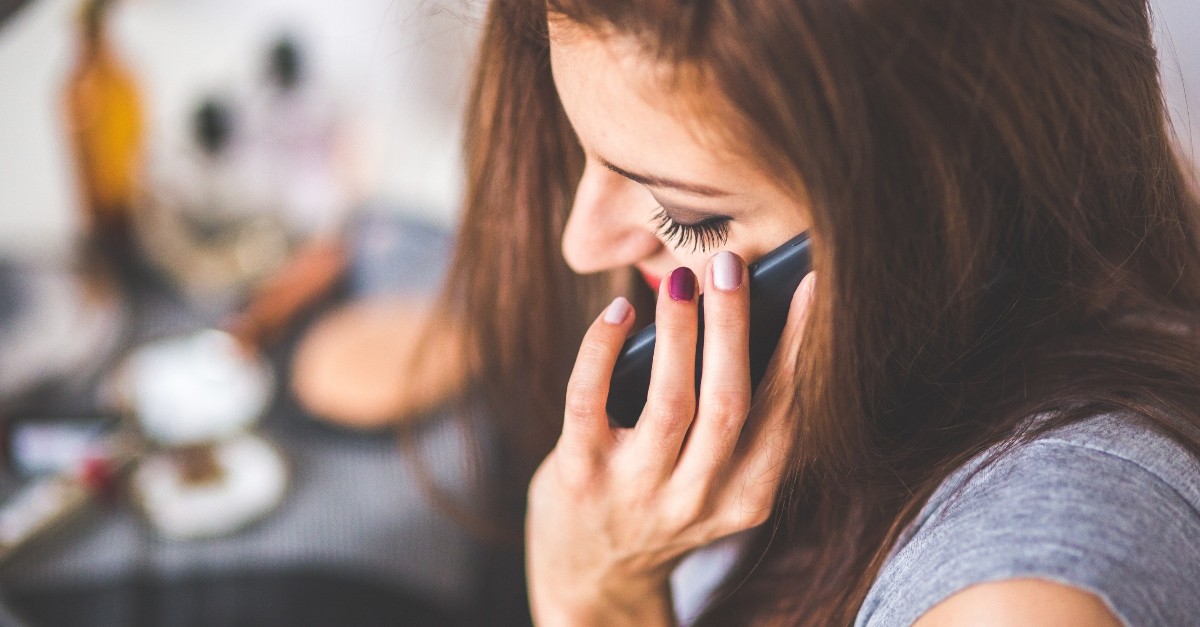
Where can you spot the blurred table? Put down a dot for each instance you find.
(355, 542)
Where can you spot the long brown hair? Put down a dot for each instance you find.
(1003, 230)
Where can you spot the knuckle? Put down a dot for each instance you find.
(575, 478)
(672, 406)
(577, 475)
(727, 404)
(716, 454)
(684, 514)
(582, 398)
(746, 516)
(755, 517)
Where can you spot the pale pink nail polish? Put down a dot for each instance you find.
(727, 271)
(807, 285)
(617, 311)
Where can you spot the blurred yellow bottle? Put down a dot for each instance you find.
(105, 123)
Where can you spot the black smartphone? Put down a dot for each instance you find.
(773, 280)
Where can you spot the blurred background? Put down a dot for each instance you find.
(221, 225)
(395, 69)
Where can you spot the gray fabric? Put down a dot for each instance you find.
(698, 575)
(1106, 505)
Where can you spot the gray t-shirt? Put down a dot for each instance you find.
(1107, 505)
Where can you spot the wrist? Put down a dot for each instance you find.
(625, 603)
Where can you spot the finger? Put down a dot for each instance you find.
(770, 431)
(725, 379)
(671, 399)
(780, 369)
(585, 422)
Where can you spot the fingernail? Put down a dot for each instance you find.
(682, 284)
(617, 311)
(727, 271)
(807, 284)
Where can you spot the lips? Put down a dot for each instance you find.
(651, 280)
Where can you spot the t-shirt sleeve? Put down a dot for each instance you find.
(1063, 511)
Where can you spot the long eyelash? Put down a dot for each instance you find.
(702, 236)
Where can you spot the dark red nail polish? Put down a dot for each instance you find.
(682, 285)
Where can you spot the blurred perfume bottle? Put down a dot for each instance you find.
(246, 217)
(104, 118)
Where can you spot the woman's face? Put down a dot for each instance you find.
(655, 193)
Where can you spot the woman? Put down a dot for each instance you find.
(985, 405)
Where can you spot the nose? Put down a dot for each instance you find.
(608, 226)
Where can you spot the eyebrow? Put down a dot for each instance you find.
(657, 181)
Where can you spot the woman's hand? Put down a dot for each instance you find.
(611, 511)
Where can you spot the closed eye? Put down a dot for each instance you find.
(704, 235)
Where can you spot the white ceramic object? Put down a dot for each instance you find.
(196, 388)
(250, 483)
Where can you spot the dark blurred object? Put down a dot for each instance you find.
(286, 67)
(8, 8)
(273, 599)
(213, 126)
(104, 121)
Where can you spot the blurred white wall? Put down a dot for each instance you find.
(1177, 27)
(398, 67)
(400, 64)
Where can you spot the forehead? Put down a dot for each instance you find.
(627, 106)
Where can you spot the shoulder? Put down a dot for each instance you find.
(1020, 602)
(1108, 506)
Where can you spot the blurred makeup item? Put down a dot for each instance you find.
(104, 119)
(40, 446)
(40, 508)
(306, 278)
